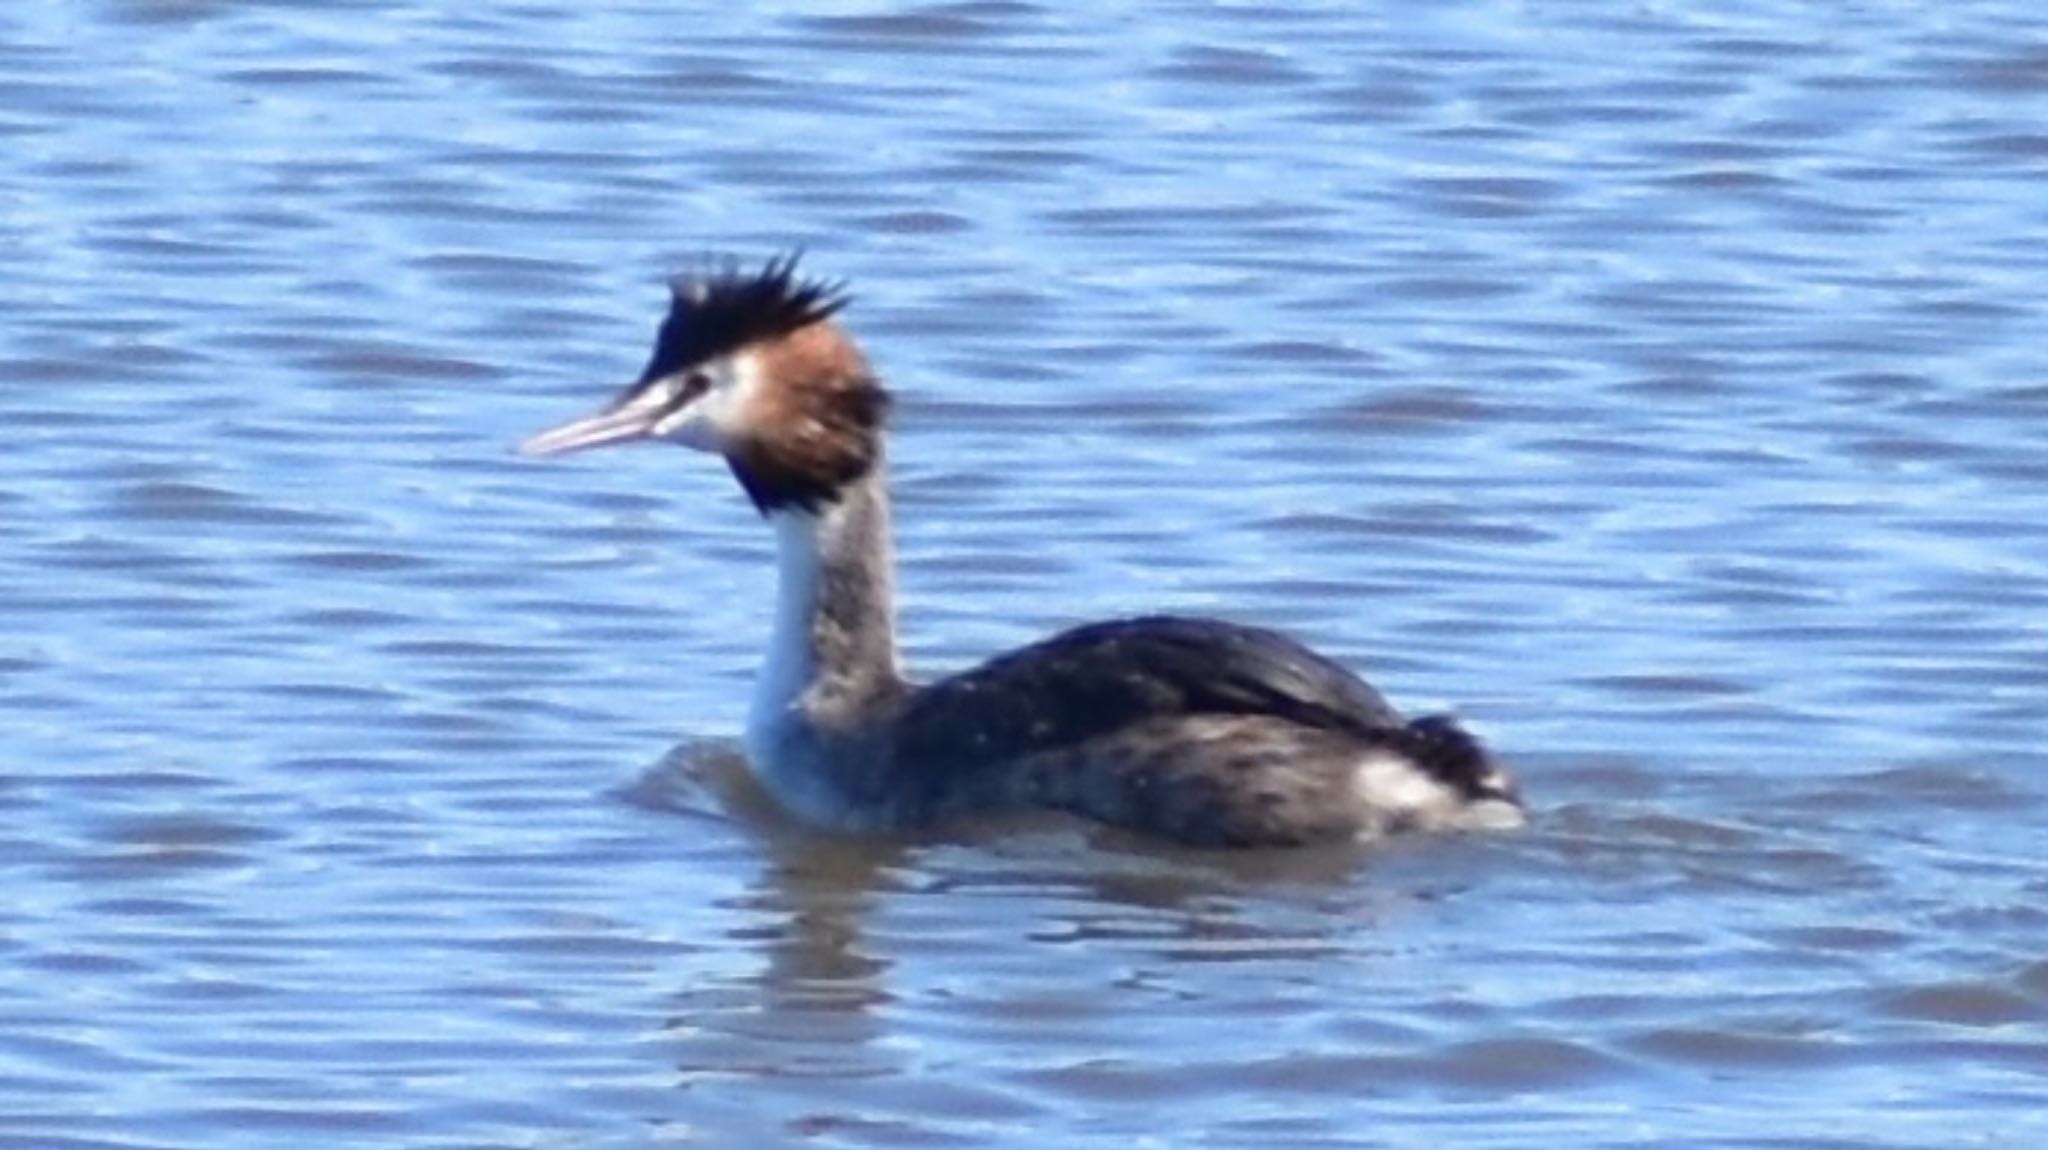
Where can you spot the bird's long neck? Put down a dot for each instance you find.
(832, 666)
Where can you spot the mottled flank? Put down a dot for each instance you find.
(1198, 730)
(1212, 781)
(1257, 780)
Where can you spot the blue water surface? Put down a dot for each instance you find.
(1659, 387)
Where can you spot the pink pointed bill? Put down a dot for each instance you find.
(621, 425)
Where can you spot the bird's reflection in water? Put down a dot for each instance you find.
(849, 942)
(805, 907)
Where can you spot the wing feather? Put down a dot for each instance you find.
(1090, 681)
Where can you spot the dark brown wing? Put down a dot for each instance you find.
(1087, 682)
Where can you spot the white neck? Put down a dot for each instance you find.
(831, 665)
(790, 662)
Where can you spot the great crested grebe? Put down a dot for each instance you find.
(1197, 730)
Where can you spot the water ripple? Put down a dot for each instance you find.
(1654, 387)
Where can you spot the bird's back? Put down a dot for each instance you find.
(1093, 680)
(1203, 730)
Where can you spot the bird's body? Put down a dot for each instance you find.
(1197, 730)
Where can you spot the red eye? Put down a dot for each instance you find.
(694, 384)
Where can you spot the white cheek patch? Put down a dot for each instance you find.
(686, 425)
(717, 416)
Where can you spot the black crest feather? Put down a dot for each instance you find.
(719, 313)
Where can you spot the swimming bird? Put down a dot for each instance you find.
(1205, 732)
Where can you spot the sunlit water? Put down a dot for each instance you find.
(1662, 389)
